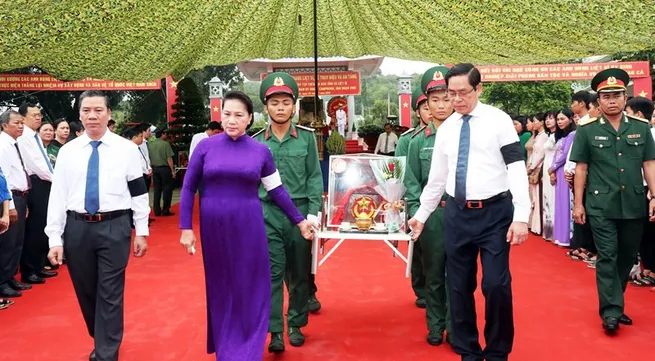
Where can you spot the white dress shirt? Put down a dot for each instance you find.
(11, 166)
(144, 151)
(487, 174)
(144, 163)
(32, 151)
(386, 143)
(116, 168)
(569, 167)
(195, 140)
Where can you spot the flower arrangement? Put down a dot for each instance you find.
(389, 174)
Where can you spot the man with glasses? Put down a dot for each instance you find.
(610, 152)
(487, 210)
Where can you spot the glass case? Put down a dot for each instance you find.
(357, 190)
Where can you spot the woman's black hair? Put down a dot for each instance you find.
(549, 114)
(240, 97)
(524, 123)
(561, 133)
(59, 121)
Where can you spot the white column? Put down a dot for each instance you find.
(351, 118)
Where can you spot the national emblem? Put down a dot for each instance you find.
(437, 75)
(611, 80)
(278, 82)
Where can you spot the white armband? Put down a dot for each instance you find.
(272, 181)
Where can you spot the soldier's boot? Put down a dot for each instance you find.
(420, 302)
(296, 338)
(435, 338)
(313, 304)
(277, 343)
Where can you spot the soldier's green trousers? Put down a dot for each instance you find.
(434, 261)
(418, 276)
(617, 241)
(290, 256)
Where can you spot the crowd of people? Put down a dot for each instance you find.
(547, 139)
(468, 192)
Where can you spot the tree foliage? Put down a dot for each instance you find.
(526, 98)
(189, 113)
(146, 40)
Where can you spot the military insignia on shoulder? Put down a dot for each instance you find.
(637, 118)
(305, 128)
(418, 131)
(258, 133)
(407, 131)
(587, 121)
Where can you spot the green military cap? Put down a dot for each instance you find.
(610, 80)
(278, 83)
(417, 98)
(434, 78)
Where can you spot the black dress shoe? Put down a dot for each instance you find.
(6, 291)
(32, 279)
(18, 286)
(625, 320)
(47, 274)
(92, 356)
(611, 324)
(420, 302)
(167, 213)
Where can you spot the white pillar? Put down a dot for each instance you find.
(352, 129)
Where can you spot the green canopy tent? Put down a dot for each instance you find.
(139, 40)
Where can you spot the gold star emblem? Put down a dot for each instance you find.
(174, 84)
(643, 94)
(405, 105)
(278, 81)
(611, 80)
(437, 76)
(216, 109)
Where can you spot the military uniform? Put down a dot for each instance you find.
(418, 277)
(432, 239)
(296, 158)
(614, 202)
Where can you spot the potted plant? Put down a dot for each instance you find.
(335, 144)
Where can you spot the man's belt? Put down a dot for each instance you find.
(19, 193)
(98, 217)
(478, 204)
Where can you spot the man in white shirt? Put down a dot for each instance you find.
(39, 168)
(97, 194)
(386, 142)
(213, 128)
(487, 211)
(11, 242)
(342, 120)
(147, 130)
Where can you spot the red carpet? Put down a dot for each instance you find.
(368, 311)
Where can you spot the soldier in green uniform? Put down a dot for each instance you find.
(418, 278)
(610, 152)
(437, 106)
(296, 157)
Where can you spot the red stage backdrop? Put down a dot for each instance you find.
(329, 83)
(639, 72)
(35, 82)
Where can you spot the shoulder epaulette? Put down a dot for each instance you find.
(258, 133)
(419, 131)
(637, 118)
(407, 131)
(305, 128)
(587, 121)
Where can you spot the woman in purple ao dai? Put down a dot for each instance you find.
(231, 167)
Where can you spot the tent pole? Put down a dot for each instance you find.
(316, 108)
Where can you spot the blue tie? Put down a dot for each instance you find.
(38, 143)
(92, 194)
(462, 161)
